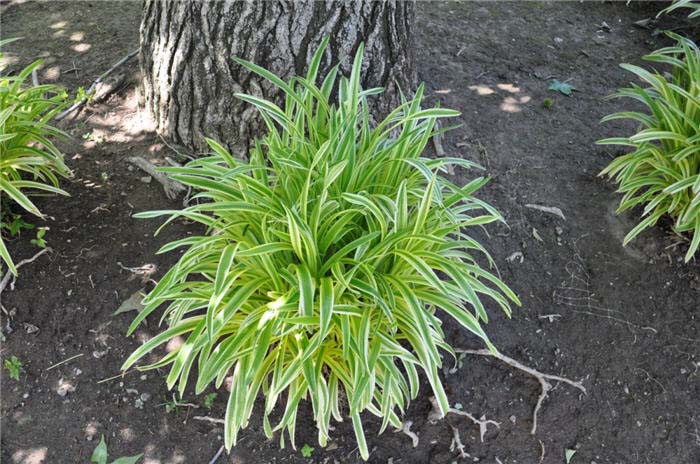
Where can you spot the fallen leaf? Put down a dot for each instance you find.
(562, 87)
(133, 303)
(547, 209)
(568, 454)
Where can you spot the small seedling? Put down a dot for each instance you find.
(547, 103)
(104, 176)
(171, 406)
(39, 240)
(99, 456)
(306, 451)
(16, 225)
(209, 400)
(174, 405)
(13, 365)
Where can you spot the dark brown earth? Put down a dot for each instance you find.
(623, 320)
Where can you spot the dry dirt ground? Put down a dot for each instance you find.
(622, 320)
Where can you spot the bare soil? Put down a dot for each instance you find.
(622, 320)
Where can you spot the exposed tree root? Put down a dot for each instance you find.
(457, 443)
(542, 378)
(483, 423)
(9, 275)
(406, 429)
(94, 85)
(171, 187)
(213, 420)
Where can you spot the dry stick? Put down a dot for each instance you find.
(64, 361)
(171, 187)
(91, 89)
(542, 378)
(217, 455)
(8, 275)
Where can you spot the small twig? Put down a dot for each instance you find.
(217, 455)
(64, 361)
(171, 187)
(541, 451)
(457, 443)
(122, 375)
(35, 78)
(213, 420)
(542, 378)
(91, 89)
(8, 274)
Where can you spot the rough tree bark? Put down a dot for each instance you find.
(189, 77)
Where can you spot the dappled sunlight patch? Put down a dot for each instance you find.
(510, 103)
(77, 36)
(81, 47)
(8, 60)
(513, 105)
(30, 456)
(52, 73)
(127, 434)
(508, 88)
(91, 430)
(142, 336)
(59, 25)
(174, 344)
(482, 89)
(178, 457)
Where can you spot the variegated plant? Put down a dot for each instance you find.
(28, 158)
(328, 263)
(662, 173)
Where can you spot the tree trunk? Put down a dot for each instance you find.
(189, 76)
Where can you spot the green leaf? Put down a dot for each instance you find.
(100, 454)
(306, 450)
(133, 303)
(562, 87)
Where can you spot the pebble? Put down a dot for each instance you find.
(145, 397)
(146, 179)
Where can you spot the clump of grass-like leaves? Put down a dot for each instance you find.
(28, 158)
(693, 5)
(329, 260)
(662, 173)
